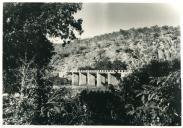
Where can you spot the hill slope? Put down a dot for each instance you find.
(135, 47)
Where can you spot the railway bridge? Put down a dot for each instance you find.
(96, 78)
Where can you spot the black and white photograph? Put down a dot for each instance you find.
(91, 63)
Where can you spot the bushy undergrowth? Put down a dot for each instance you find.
(153, 94)
(62, 108)
(17, 110)
(66, 109)
(149, 96)
(105, 108)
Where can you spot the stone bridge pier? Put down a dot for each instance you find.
(91, 77)
(75, 78)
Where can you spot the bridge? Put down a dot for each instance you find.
(96, 78)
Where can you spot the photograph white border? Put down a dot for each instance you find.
(177, 3)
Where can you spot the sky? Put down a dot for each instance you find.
(100, 18)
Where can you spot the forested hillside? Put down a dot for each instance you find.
(134, 47)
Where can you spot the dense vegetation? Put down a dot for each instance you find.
(150, 95)
(26, 55)
(153, 94)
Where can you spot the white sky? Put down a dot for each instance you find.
(100, 18)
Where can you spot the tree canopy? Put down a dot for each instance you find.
(25, 30)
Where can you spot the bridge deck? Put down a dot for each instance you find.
(97, 71)
(78, 87)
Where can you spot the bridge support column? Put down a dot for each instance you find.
(72, 78)
(98, 79)
(82, 79)
(122, 75)
(109, 78)
(103, 77)
(113, 79)
(90, 79)
(75, 79)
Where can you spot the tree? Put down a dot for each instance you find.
(26, 27)
(25, 30)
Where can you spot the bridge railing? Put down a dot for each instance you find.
(99, 71)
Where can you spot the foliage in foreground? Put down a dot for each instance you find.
(62, 108)
(149, 96)
(153, 94)
(27, 50)
(146, 97)
(26, 31)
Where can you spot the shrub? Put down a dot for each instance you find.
(106, 108)
(17, 109)
(28, 105)
(153, 97)
(82, 48)
(63, 55)
(66, 109)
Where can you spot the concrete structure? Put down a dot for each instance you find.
(97, 77)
